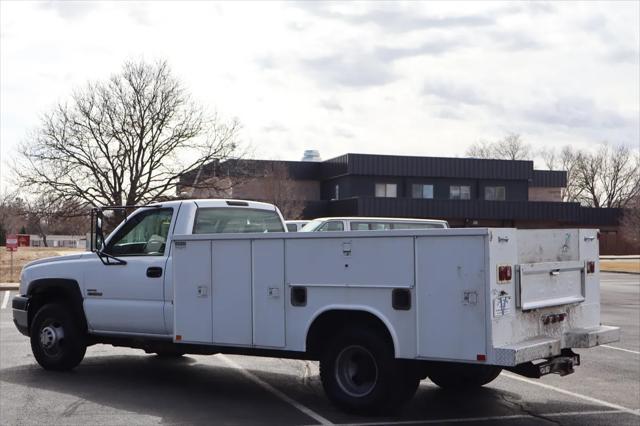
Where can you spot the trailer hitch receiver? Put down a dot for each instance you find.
(562, 365)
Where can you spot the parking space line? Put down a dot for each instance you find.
(620, 349)
(573, 394)
(483, 419)
(583, 413)
(439, 421)
(306, 410)
(5, 300)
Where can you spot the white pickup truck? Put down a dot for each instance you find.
(380, 311)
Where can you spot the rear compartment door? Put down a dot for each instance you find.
(450, 276)
(545, 284)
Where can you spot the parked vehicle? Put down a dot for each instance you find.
(295, 225)
(328, 224)
(379, 310)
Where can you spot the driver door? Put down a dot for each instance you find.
(129, 298)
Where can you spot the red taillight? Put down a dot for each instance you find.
(591, 267)
(504, 273)
(481, 357)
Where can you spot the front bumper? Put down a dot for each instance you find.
(20, 305)
(549, 347)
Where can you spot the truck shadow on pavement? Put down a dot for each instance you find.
(183, 391)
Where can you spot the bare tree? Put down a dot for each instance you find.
(480, 149)
(42, 215)
(511, 147)
(630, 223)
(281, 190)
(567, 160)
(123, 141)
(609, 177)
(620, 179)
(11, 219)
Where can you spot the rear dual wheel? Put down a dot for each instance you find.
(361, 375)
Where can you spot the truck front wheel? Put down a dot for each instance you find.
(360, 374)
(56, 340)
(463, 376)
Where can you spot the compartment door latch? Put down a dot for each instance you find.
(470, 298)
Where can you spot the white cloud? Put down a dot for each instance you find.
(420, 78)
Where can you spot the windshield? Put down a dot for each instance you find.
(312, 226)
(236, 220)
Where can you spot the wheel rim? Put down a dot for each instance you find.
(52, 338)
(356, 371)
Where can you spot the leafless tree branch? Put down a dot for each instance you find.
(123, 141)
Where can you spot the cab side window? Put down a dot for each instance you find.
(332, 225)
(145, 234)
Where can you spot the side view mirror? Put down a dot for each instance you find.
(99, 233)
(97, 237)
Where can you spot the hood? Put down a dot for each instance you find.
(55, 259)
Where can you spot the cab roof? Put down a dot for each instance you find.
(220, 203)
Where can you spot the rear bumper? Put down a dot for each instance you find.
(20, 306)
(590, 337)
(549, 347)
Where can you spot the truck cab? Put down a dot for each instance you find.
(133, 295)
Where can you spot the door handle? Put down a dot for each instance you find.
(154, 272)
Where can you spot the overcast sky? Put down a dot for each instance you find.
(392, 78)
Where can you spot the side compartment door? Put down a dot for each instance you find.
(192, 291)
(268, 293)
(231, 292)
(451, 297)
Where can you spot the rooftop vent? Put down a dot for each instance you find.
(311, 155)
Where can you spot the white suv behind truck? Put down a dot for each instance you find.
(380, 311)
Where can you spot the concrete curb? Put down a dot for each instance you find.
(9, 286)
(621, 272)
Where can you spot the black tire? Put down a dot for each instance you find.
(463, 376)
(360, 374)
(57, 342)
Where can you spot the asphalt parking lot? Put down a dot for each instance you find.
(119, 386)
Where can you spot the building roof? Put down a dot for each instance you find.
(388, 165)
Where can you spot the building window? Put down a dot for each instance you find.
(421, 191)
(495, 193)
(462, 192)
(386, 190)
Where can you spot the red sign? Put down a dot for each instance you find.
(24, 240)
(12, 242)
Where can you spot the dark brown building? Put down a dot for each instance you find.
(464, 191)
